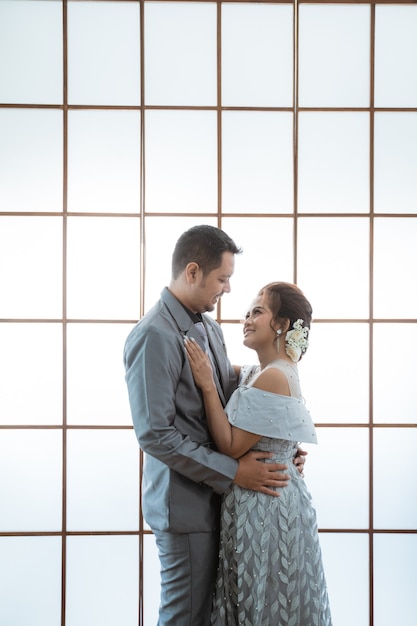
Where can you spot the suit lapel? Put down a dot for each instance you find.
(217, 351)
(186, 327)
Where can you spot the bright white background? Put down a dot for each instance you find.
(94, 192)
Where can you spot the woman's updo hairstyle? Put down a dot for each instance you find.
(288, 304)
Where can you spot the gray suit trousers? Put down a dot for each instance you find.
(188, 573)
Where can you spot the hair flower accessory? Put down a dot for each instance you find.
(296, 342)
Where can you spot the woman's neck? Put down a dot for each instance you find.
(269, 356)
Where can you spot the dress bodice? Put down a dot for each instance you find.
(271, 415)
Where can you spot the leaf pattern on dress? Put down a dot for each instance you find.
(271, 571)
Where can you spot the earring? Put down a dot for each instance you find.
(279, 333)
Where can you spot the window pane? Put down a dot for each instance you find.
(395, 56)
(335, 280)
(263, 259)
(181, 161)
(30, 267)
(103, 53)
(391, 404)
(31, 151)
(324, 385)
(102, 581)
(103, 161)
(97, 395)
(334, 56)
(346, 565)
(31, 480)
(30, 581)
(257, 162)
(399, 511)
(103, 268)
(323, 398)
(31, 52)
(151, 584)
(395, 162)
(30, 374)
(333, 171)
(104, 494)
(254, 37)
(201, 165)
(237, 352)
(180, 53)
(348, 506)
(395, 263)
(161, 234)
(395, 578)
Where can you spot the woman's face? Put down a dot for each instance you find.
(257, 324)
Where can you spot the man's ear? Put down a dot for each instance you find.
(191, 271)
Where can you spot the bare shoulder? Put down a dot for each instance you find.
(273, 380)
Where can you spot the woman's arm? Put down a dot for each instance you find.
(237, 369)
(229, 440)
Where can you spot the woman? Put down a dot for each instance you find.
(270, 569)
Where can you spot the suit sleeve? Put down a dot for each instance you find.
(167, 410)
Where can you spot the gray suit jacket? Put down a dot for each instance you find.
(182, 474)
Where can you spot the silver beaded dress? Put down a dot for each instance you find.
(270, 566)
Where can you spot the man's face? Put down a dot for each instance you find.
(208, 289)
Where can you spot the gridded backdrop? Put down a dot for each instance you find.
(291, 125)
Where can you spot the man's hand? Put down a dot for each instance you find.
(258, 476)
(299, 460)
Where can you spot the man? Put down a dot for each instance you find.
(183, 474)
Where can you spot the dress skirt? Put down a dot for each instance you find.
(270, 567)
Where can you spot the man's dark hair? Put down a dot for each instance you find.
(204, 245)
